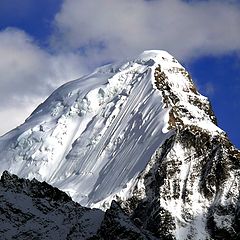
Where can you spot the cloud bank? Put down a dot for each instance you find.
(112, 29)
(89, 33)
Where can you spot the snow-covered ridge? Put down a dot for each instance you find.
(93, 136)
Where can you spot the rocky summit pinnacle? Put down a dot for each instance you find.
(138, 135)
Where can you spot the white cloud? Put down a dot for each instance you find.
(28, 74)
(113, 29)
(208, 89)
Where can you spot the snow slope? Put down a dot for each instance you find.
(93, 136)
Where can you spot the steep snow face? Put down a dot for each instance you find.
(93, 136)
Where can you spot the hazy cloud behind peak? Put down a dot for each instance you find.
(116, 29)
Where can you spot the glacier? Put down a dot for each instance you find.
(94, 135)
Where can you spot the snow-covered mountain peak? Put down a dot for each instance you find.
(156, 55)
(137, 132)
(93, 136)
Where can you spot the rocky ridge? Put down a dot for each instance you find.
(36, 210)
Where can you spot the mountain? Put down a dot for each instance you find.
(138, 140)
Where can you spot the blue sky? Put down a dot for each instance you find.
(219, 79)
(46, 43)
(35, 17)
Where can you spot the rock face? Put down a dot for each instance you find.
(139, 141)
(192, 197)
(118, 225)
